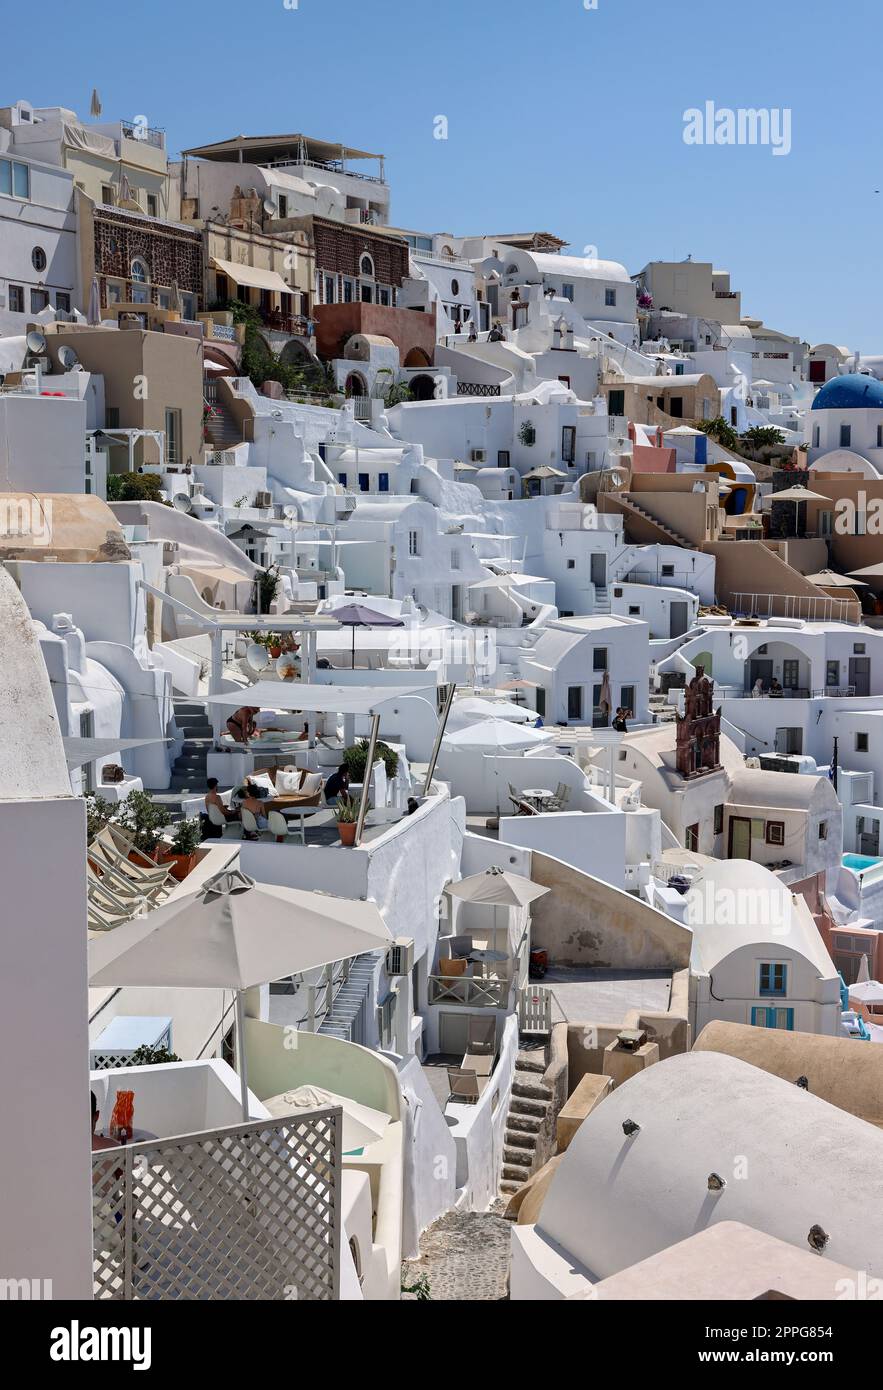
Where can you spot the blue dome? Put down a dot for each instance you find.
(853, 392)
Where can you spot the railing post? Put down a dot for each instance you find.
(311, 1008)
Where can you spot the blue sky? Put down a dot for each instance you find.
(559, 118)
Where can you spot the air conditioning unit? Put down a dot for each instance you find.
(478, 455)
(263, 499)
(400, 957)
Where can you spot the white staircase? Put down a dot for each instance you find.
(351, 999)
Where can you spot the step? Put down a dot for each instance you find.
(524, 1105)
(516, 1153)
(511, 1186)
(528, 1089)
(523, 1124)
(531, 1061)
(515, 1172)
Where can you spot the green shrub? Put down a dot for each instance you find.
(133, 487)
(187, 837)
(144, 820)
(354, 759)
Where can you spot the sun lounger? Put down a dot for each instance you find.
(463, 1085)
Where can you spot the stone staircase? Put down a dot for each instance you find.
(189, 768)
(221, 428)
(671, 536)
(529, 1107)
(602, 600)
(664, 712)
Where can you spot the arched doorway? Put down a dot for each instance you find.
(422, 387)
(356, 385)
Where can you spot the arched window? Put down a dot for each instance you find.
(455, 287)
(366, 266)
(140, 271)
(38, 258)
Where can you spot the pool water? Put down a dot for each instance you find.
(858, 862)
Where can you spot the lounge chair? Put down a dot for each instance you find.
(111, 878)
(112, 844)
(463, 1085)
(481, 1049)
(111, 896)
(99, 920)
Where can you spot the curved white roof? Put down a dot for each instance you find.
(736, 903)
(581, 267)
(615, 1200)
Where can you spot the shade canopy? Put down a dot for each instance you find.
(362, 1125)
(473, 709)
(496, 581)
(234, 934)
(867, 992)
(250, 275)
(88, 750)
(357, 615)
(798, 493)
(497, 888)
(495, 735)
(829, 579)
(316, 699)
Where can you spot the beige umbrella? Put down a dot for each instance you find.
(867, 991)
(874, 571)
(606, 698)
(95, 104)
(361, 1124)
(798, 493)
(496, 887)
(864, 973)
(828, 579)
(234, 934)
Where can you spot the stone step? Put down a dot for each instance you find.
(516, 1173)
(518, 1154)
(531, 1061)
(523, 1124)
(524, 1105)
(511, 1186)
(528, 1089)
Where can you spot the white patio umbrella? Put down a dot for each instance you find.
(496, 887)
(867, 992)
(473, 709)
(497, 735)
(362, 1125)
(864, 973)
(234, 934)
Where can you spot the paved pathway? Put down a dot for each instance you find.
(465, 1256)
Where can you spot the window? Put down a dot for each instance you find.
(413, 542)
(627, 698)
(107, 194)
(112, 417)
(609, 298)
(880, 436)
(502, 458)
(861, 743)
(140, 271)
(823, 830)
(568, 443)
(173, 436)
(858, 648)
(63, 302)
(667, 571)
(152, 205)
(599, 659)
(772, 1018)
(15, 179)
(282, 208)
(571, 564)
(616, 401)
(188, 307)
(383, 482)
(347, 291)
(366, 266)
(341, 478)
(634, 610)
(455, 287)
(38, 258)
(567, 292)
(832, 673)
(39, 300)
(691, 837)
(328, 286)
(845, 436)
(719, 819)
(16, 299)
(775, 832)
(383, 296)
(364, 483)
(574, 702)
(773, 978)
(815, 436)
(541, 702)
(455, 559)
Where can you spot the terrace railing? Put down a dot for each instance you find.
(464, 989)
(250, 1211)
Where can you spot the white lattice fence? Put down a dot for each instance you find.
(246, 1212)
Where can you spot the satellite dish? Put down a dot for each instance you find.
(257, 656)
(270, 207)
(277, 415)
(68, 358)
(36, 342)
(181, 502)
(289, 513)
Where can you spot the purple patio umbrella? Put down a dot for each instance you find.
(357, 615)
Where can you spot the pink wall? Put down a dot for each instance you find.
(646, 459)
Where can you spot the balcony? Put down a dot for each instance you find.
(473, 993)
(148, 135)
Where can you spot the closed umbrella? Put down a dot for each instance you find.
(93, 314)
(605, 699)
(357, 615)
(95, 104)
(234, 934)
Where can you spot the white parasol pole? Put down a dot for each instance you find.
(240, 1052)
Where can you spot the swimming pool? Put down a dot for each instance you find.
(859, 862)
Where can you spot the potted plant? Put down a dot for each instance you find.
(355, 757)
(99, 813)
(181, 854)
(145, 822)
(347, 812)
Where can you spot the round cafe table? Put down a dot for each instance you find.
(538, 794)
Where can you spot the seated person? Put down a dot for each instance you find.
(776, 689)
(241, 723)
(338, 784)
(213, 798)
(251, 801)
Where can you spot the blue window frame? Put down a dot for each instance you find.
(383, 482)
(762, 1017)
(364, 482)
(341, 478)
(773, 979)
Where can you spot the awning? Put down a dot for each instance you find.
(250, 275)
(317, 699)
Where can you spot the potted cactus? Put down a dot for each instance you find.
(347, 812)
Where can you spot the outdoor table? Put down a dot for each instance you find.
(288, 807)
(538, 794)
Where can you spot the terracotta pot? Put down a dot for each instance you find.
(347, 832)
(181, 864)
(275, 652)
